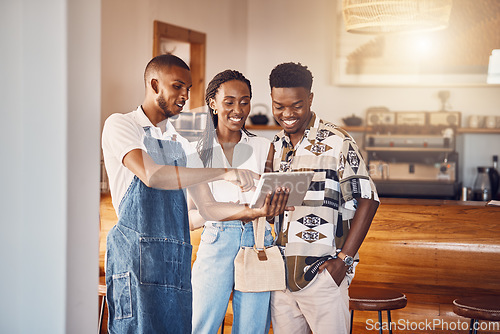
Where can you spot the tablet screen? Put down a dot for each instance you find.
(297, 182)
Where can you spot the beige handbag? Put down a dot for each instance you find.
(258, 269)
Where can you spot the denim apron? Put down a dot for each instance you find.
(148, 269)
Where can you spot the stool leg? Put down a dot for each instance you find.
(101, 315)
(380, 321)
(471, 326)
(475, 326)
(222, 326)
(352, 317)
(389, 320)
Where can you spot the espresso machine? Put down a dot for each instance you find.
(412, 154)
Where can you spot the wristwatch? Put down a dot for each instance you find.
(348, 260)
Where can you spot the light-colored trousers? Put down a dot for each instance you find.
(322, 307)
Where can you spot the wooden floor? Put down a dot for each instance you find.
(227, 321)
(404, 319)
(421, 315)
(365, 322)
(426, 312)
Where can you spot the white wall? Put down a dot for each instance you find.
(294, 30)
(50, 166)
(82, 169)
(127, 42)
(10, 196)
(253, 37)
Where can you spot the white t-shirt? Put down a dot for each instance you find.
(123, 133)
(249, 153)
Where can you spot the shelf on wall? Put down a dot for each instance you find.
(277, 127)
(262, 127)
(478, 130)
(357, 128)
(408, 149)
(369, 128)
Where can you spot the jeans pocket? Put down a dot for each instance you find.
(210, 234)
(165, 262)
(122, 299)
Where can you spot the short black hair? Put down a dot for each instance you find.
(163, 61)
(289, 75)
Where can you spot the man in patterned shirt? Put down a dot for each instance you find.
(326, 231)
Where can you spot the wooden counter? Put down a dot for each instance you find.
(431, 250)
(451, 246)
(414, 242)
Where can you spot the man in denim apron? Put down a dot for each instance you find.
(148, 273)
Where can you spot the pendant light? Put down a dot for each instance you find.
(395, 16)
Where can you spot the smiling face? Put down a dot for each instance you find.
(232, 103)
(292, 109)
(172, 90)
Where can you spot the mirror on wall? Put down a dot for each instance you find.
(455, 56)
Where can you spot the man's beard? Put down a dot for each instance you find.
(163, 106)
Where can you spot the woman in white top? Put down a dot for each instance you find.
(227, 144)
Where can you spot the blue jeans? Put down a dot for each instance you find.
(213, 281)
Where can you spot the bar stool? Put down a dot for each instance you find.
(375, 299)
(478, 308)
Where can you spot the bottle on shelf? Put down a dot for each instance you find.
(482, 185)
(495, 178)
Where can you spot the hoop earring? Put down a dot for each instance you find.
(215, 111)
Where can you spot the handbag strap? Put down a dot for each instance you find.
(259, 230)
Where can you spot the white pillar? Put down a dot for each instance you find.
(50, 93)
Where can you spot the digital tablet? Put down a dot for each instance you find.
(297, 182)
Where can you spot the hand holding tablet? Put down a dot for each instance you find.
(297, 183)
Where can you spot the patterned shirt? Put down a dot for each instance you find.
(320, 225)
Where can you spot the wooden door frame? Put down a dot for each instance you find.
(197, 41)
